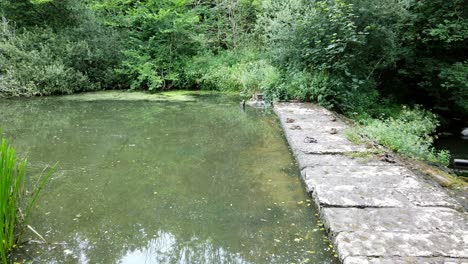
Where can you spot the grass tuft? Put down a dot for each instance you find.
(12, 196)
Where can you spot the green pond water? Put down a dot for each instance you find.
(178, 179)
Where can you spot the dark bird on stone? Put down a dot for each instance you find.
(310, 140)
(387, 158)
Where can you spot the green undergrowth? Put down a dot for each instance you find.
(408, 132)
(244, 70)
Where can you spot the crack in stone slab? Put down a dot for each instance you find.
(323, 152)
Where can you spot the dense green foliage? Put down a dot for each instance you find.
(409, 51)
(13, 220)
(360, 57)
(347, 54)
(76, 55)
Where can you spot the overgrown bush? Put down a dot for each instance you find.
(302, 85)
(409, 133)
(258, 76)
(243, 70)
(323, 51)
(215, 72)
(42, 61)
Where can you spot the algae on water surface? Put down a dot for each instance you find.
(172, 181)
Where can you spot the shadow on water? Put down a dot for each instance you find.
(457, 144)
(141, 181)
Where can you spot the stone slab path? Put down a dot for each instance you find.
(375, 211)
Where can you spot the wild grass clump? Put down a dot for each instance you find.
(409, 132)
(13, 219)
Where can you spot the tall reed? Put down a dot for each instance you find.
(13, 196)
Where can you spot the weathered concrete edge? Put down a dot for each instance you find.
(346, 256)
(301, 168)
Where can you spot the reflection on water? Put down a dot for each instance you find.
(163, 182)
(165, 248)
(457, 145)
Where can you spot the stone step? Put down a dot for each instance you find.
(368, 196)
(375, 176)
(394, 244)
(411, 220)
(404, 260)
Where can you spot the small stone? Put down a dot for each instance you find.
(310, 140)
(290, 120)
(387, 158)
(333, 131)
(296, 127)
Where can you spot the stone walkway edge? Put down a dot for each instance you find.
(374, 211)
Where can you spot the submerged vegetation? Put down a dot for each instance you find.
(363, 58)
(15, 208)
